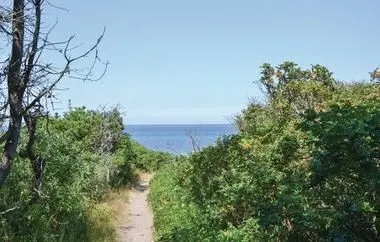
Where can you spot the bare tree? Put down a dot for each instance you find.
(194, 142)
(27, 83)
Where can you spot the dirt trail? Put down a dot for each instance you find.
(136, 224)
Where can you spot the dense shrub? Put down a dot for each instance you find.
(176, 218)
(304, 167)
(57, 210)
(124, 161)
(84, 154)
(149, 160)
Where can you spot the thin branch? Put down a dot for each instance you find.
(33, 51)
(9, 210)
(57, 7)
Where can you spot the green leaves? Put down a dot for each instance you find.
(305, 166)
(83, 154)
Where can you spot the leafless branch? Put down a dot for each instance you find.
(194, 142)
(27, 82)
(9, 210)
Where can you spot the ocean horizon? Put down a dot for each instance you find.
(178, 138)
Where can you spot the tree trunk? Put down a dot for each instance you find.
(15, 90)
(36, 160)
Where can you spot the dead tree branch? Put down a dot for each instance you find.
(27, 83)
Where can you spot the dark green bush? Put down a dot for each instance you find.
(125, 162)
(149, 160)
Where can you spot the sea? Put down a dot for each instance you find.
(178, 138)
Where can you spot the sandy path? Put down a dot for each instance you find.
(137, 226)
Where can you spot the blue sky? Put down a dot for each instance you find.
(195, 61)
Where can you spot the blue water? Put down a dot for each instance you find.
(176, 138)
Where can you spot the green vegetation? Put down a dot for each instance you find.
(304, 167)
(176, 218)
(84, 155)
(149, 160)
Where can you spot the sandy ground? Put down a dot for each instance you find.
(136, 224)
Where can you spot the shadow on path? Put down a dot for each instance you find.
(140, 187)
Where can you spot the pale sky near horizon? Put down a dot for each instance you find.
(195, 61)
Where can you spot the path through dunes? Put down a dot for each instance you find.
(135, 223)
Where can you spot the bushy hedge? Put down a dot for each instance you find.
(305, 167)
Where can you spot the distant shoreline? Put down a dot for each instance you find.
(193, 124)
(178, 138)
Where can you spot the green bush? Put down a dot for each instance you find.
(176, 218)
(56, 211)
(149, 160)
(125, 162)
(304, 167)
(85, 154)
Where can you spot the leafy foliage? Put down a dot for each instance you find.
(304, 167)
(85, 154)
(149, 160)
(176, 217)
